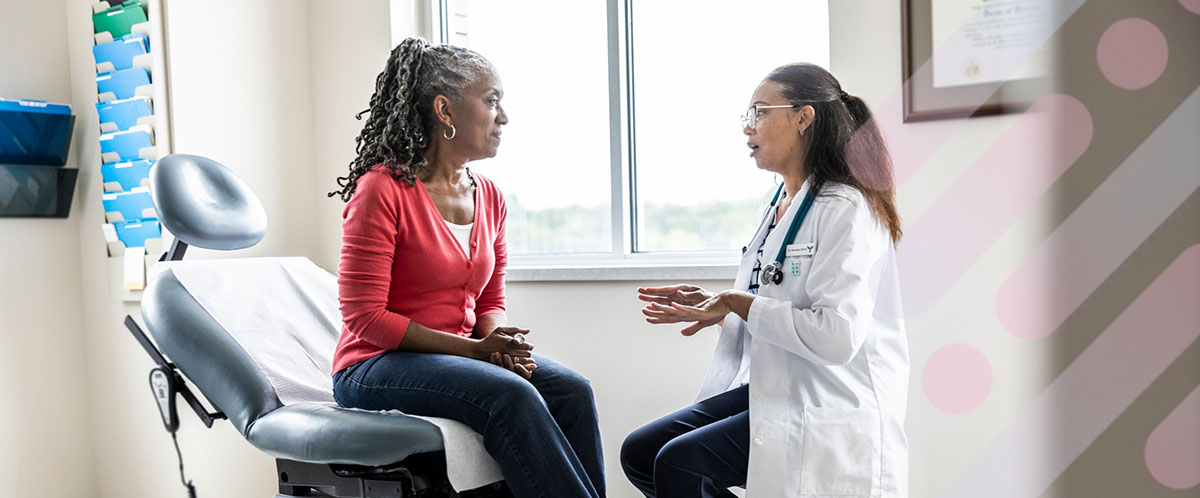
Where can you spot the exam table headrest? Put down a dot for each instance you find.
(203, 203)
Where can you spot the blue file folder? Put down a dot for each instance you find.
(121, 85)
(129, 206)
(118, 54)
(125, 145)
(125, 176)
(35, 132)
(121, 115)
(134, 233)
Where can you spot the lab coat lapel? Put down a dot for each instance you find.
(727, 358)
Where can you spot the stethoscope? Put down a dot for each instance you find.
(773, 272)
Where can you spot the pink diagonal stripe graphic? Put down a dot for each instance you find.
(981, 205)
(1100, 384)
(1105, 229)
(1173, 449)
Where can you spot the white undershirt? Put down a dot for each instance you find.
(462, 233)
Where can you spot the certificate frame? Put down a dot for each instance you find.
(924, 102)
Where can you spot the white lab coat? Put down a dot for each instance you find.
(828, 358)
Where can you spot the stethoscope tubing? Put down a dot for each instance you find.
(773, 272)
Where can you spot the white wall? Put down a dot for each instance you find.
(306, 68)
(243, 98)
(866, 58)
(306, 71)
(353, 48)
(43, 419)
(241, 95)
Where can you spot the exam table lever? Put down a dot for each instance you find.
(165, 382)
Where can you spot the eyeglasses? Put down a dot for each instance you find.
(750, 118)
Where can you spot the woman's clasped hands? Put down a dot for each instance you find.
(507, 347)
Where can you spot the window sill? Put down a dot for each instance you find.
(620, 272)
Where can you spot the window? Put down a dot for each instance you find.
(695, 68)
(624, 144)
(553, 164)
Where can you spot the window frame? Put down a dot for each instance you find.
(622, 261)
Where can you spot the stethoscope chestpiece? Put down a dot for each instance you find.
(771, 274)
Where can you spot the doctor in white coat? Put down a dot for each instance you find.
(807, 390)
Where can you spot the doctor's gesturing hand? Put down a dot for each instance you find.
(689, 303)
(671, 294)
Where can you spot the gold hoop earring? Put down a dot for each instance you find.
(453, 132)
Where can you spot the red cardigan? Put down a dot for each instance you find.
(400, 262)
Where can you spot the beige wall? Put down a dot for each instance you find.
(44, 414)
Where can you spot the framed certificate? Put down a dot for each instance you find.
(965, 58)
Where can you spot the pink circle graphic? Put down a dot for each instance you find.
(957, 379)
(1192, 5)
(1173, 448)
(1132, 53)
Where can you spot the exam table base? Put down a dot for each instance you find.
(419, 476)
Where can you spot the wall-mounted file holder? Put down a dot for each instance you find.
(133, 205)
(35, 132)
(129, 145)
(116, 22)
(126, 52)
(121, 115)
(125, 176)
(127, 264)
(36, 191)
(125, 84)
(133, 128)
(104, 5)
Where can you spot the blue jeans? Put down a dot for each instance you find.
(699, 451)
(543, 432)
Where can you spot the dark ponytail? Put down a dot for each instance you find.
(400, 115)
(845, 144)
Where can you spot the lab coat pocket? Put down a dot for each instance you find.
(842, 452)
(797, 266)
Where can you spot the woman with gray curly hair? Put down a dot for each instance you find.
(421, 280)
